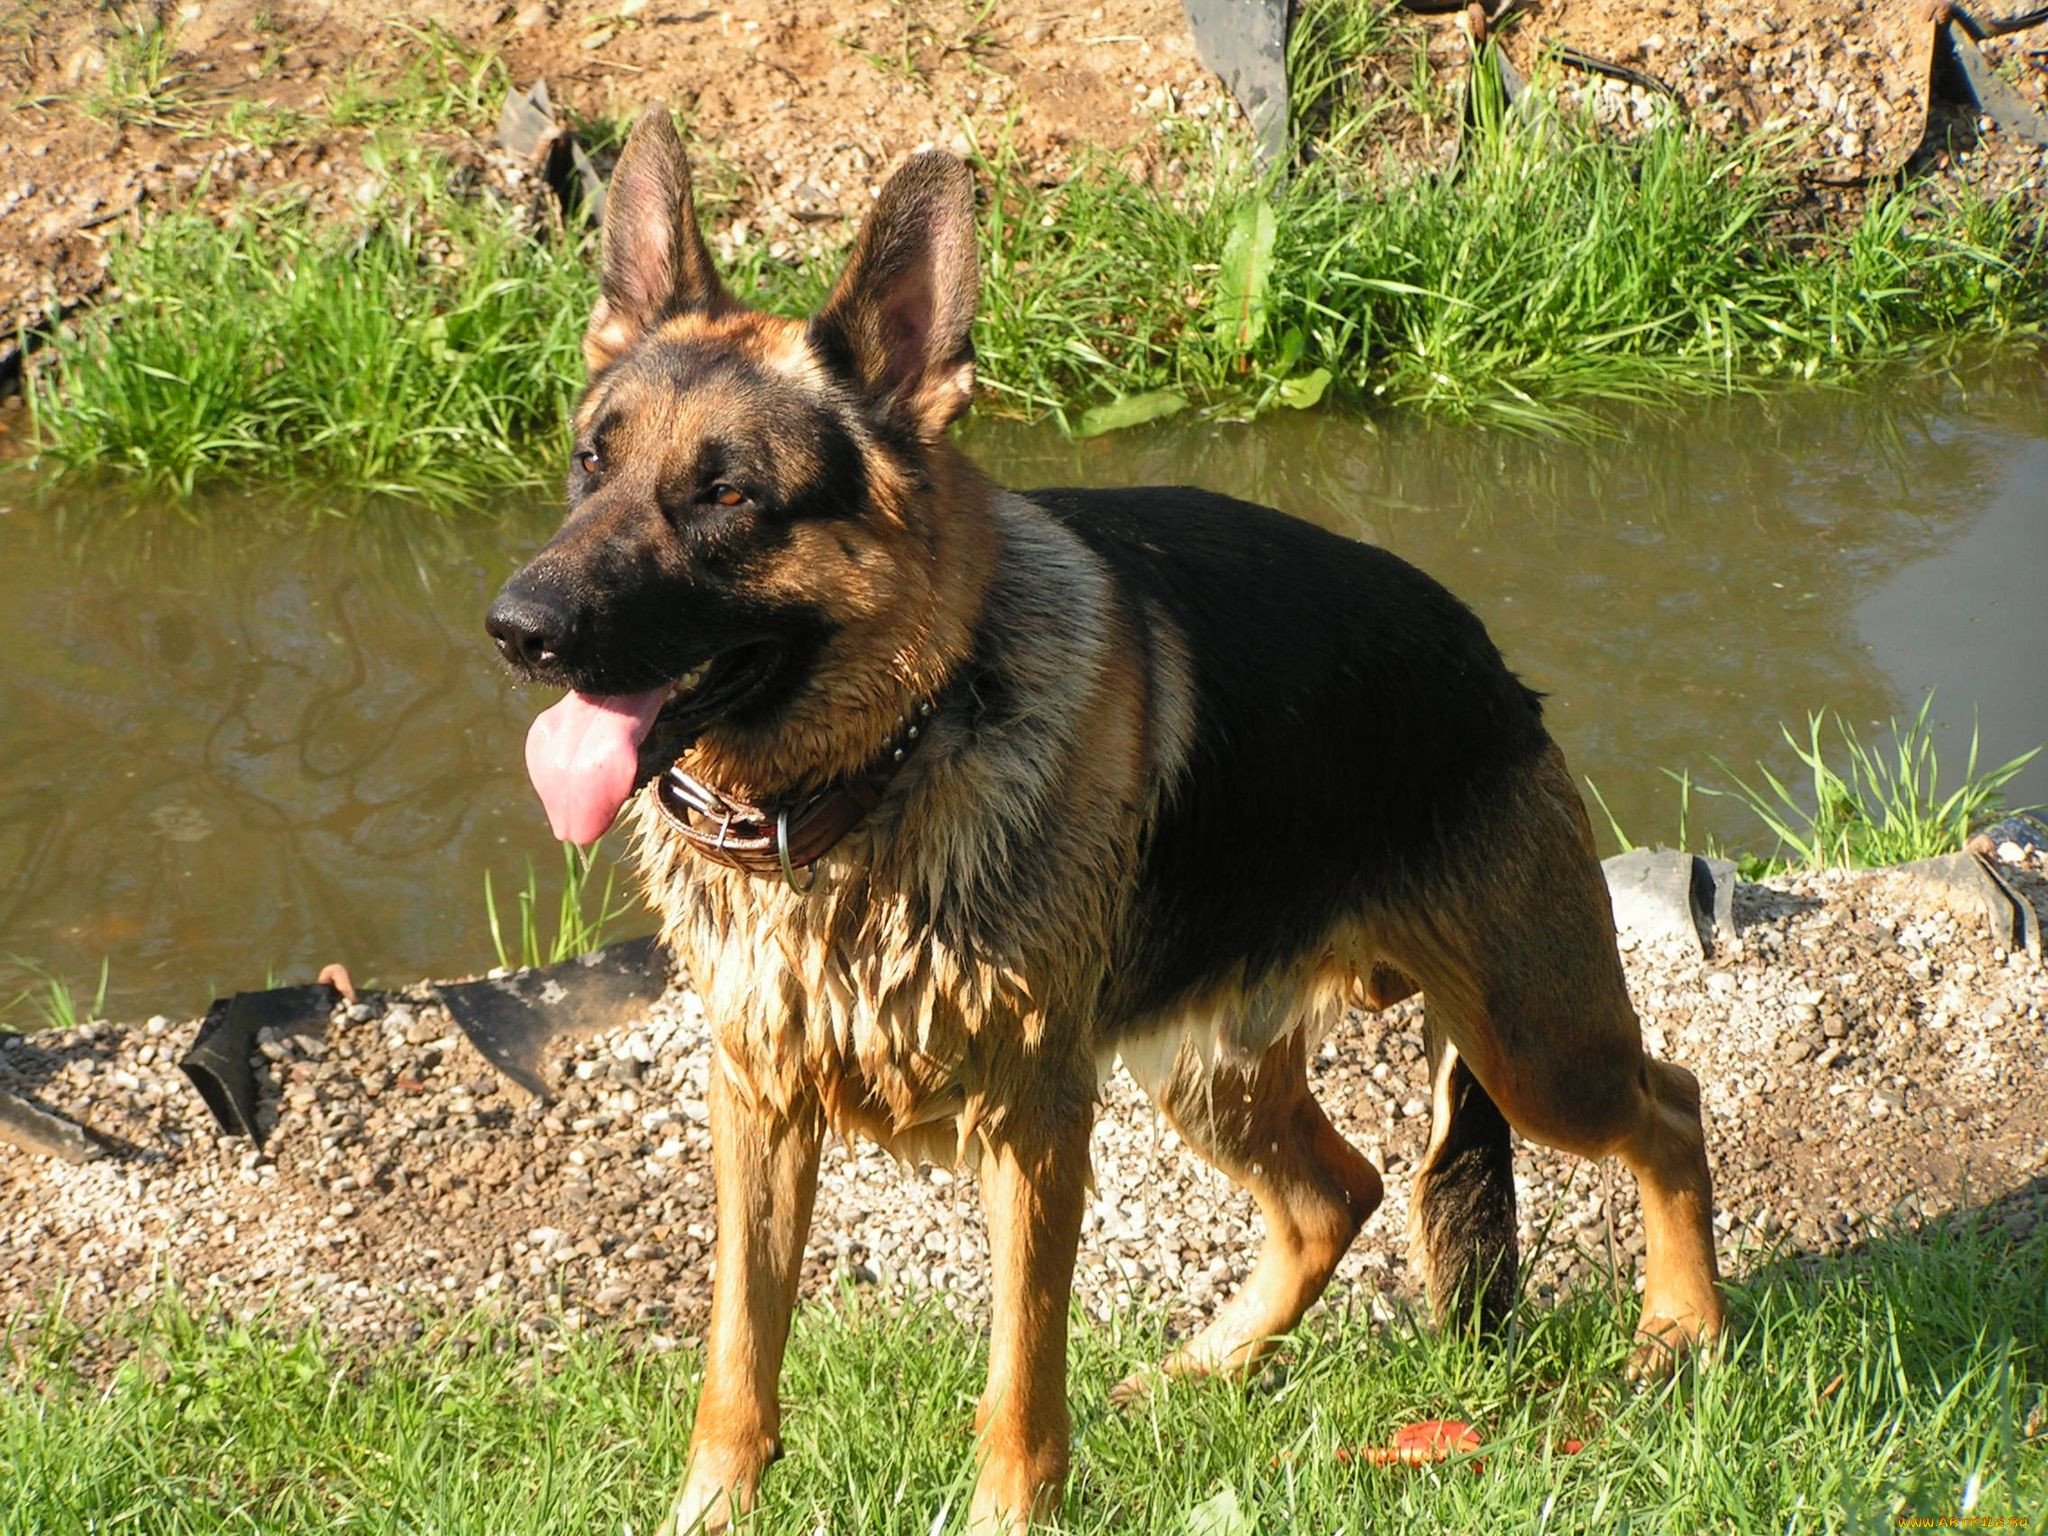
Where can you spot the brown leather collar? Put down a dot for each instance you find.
(775, 841)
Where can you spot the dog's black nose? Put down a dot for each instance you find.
(532, 626)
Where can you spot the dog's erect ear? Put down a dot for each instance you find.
(898, 323)
(655, 263)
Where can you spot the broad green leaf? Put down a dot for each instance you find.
(1239, 311)
(1130, 411)
(1304, 389)
(1220, 1515)
(1292, 345)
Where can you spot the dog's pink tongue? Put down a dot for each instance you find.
(583, 756)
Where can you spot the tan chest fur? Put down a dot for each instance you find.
(949, 962)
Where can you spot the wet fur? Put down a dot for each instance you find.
(1198, 778)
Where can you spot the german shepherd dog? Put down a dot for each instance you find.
(951, 797)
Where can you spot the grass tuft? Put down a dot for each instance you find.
(580, 924)
(1882, 806)
(1558, 275)
(425, 351)
(1329, 48)
(445, 82)
(51, 998)
(140, 88)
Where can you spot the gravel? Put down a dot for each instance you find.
(1863, 1061)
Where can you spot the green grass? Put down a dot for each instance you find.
(444, 81)
(1328, 106)
(580, 925)
(1882, 805)
(50, 999)
(1905, 1380)
(1861, 806)
(1558, 276)
(424, 351)
(140, 86)
(431, 349)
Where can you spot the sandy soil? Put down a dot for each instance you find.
(1865, 1059)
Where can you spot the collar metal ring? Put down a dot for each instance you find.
(782, 852)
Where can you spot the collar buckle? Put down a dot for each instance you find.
(772, 842)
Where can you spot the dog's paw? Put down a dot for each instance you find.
(1218, 1353)
(1012, 1498)
(1138, 1388)
(699, 1513)
(694, 1517)
(1663, 1344)
(717, 1490)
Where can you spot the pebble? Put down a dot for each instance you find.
(422, 1030)
(809, 201)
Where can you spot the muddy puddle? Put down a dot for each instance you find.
(239, 746)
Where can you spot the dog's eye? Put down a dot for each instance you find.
(585, 459)
(725, 495)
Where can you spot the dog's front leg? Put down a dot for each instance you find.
(765, 1161)
(1033, 1180)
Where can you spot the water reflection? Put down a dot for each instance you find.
(257, 741)
(1967, 621)
(234, 750)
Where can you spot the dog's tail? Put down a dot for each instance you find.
(1462, 1210)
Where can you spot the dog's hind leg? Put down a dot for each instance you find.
(1666, 1150)
(1593, 1091)
(1034, 1176)
(1263, 1127)
(1462, 1210)
(1517, 960)
(765, 1163)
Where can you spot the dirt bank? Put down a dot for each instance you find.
(1863, 1060)
(109, 112)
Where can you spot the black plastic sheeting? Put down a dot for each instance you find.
(1995, 99)
(1244, 44)
(222, 1061)
(514, 1020)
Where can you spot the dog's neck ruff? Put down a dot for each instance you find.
(775, 841)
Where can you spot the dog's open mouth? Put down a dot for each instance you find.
(583, 755)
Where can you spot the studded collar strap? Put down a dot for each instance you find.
(775, 841)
